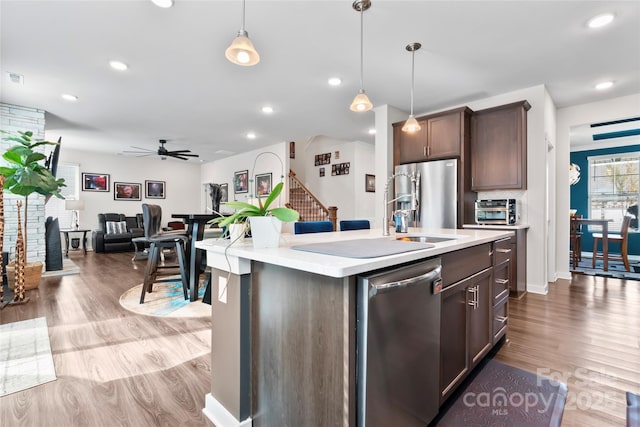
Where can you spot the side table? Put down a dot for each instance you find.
(66, 232)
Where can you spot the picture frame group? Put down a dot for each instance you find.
(241, 181)
(263, 185)
(154, 189)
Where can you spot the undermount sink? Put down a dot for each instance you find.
(424, 238)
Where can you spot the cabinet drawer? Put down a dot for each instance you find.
(500, 282)
(464, 263)
(500, 320)
(502, 251)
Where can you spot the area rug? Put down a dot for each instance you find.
(25, 355)
(503, 396)
(616, 269)
(166, 300)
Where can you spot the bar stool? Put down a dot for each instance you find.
(304, 227)
(158, 240)
(622, 239)
(576, 240)
(354, 224)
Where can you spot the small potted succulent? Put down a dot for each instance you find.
(265, 222)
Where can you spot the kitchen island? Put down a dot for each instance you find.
(284, 322)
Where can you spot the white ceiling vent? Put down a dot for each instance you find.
(15, 78)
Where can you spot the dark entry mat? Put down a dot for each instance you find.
(503, 396)
(633, 410)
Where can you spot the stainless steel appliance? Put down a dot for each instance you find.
(436, 193)
(398, 346)
(497, 212)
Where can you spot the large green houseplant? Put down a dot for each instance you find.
(245, 211)
(24, 174)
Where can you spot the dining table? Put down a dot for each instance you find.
(603, 223)
(196, 223)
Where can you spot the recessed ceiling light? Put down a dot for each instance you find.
(335, 81)
(117, 65)
(267, 109)
(69, 97)
(604, 85)
(15, 78)
(251, 135)
(372, 131)
(163, 3)
(600, 20)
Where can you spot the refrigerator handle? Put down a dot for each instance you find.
(416, 208)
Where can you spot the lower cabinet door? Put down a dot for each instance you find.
(454, 359)
(480, 331)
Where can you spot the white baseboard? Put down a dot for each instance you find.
(538, 289)
(564, 275)
(219, 415)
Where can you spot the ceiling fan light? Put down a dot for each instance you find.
(411, 125)
(241, 51)
(163, 3)
(361, 103)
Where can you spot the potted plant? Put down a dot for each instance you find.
(256, 215)
(24, 175)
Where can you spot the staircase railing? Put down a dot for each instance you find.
(307, 204)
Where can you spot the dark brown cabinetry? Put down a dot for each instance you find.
(499, 147)
(466, 331)
(500, 287)
(444, 135)
(441, 136)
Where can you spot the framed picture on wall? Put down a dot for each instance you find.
(370, 183)
(95, 181)
(126, 191)
(240, 181)
(263, 184)
(154, 189)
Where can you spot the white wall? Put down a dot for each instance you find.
(347, 192)
(222, 172)
(181, 180)
(610, 109)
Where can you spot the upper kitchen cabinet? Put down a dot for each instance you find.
(442, 136)
(499, 148)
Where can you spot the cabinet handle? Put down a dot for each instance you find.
(503, 251)
(424, 151)
(501, 319)
(502, 281)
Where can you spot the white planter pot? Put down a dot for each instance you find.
(265, 231)
(236, 232)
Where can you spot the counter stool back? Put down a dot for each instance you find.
(355, 224)
(303, 227)
(158, 240)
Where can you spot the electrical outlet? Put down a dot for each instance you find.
(222, 289)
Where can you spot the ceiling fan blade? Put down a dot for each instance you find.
(143, 149)
(177, 156)
(172, 153)
(179, 151)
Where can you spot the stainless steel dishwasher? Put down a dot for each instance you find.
(398, 345)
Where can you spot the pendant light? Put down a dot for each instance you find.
(411, 125)
(241, 50)
(361, 102)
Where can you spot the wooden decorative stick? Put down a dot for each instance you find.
(18, 290)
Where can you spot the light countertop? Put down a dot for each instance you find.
(237, 257)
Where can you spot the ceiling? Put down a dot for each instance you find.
(180, 87)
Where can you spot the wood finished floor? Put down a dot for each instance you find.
(116, 368)
(586, 334)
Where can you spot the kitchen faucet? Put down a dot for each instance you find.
(414, 198)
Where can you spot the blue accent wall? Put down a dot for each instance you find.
(580, 195)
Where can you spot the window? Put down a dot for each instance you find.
(55, 206)
(614, 185)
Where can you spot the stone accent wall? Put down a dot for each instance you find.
(14, 118)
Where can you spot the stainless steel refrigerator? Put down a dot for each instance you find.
(436, 193)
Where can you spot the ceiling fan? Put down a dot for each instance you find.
(162, 152)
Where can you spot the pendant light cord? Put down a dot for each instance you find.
(413, 56)
(361, 48)
(243, 9)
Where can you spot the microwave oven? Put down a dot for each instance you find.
(496, 212)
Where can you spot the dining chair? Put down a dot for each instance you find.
(622, 239)
(303, 227)
(355, 224)
(159, 240)
(575, 234)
